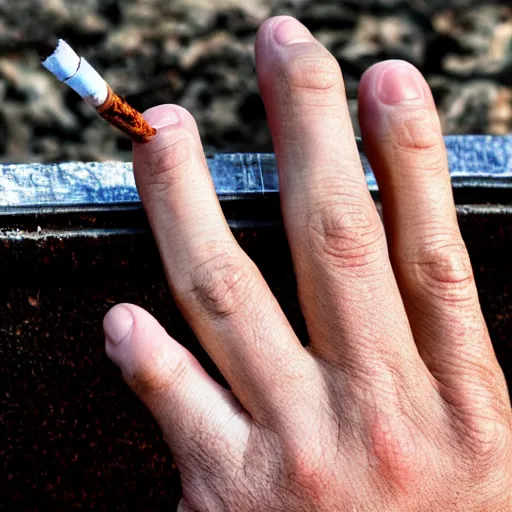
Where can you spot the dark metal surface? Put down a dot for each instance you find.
(72, 435)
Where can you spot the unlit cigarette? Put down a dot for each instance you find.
(76, 72)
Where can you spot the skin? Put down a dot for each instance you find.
(405, 409)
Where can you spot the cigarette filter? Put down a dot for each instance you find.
(78, 74)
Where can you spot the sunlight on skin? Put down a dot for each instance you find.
(380, 412)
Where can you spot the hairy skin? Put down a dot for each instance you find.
(402, 410)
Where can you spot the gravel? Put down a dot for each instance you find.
(199, 54)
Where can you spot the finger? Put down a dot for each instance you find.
(219, 289)
(194, 412)
(183, 507)
(337, 240)
(405, 146)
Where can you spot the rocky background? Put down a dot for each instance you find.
(199, 54)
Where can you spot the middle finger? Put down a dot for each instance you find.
(348, 292)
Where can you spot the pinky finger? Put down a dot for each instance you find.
(190, 407)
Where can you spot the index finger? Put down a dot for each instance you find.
(219, 289)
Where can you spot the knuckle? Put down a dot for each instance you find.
(314, 77)
(398, 449)
(350, 235)
(170, 161)
(484, 412)
(417, 139)
(158, 373)
(488, 442)
(444, 270)
(416, 130)
(311, 477)
(221, 285)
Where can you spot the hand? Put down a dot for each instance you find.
(398, 403)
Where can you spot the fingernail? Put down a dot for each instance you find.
(162, 116)
(290, 31)
(398, 84)
(118, 325)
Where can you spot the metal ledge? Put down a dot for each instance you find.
(475, 162)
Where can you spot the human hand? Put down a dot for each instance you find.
(398, 403)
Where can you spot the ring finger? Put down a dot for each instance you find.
(404, 142)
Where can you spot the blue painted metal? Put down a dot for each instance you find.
(474, 161)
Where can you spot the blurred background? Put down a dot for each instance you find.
(199, 54)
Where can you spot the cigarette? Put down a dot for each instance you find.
(78, 74)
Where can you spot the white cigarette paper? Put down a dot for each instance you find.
(76, 72)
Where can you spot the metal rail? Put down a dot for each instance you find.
(474, 161)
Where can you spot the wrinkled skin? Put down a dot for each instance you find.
(402, 409)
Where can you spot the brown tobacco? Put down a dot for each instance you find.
(118, 113)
